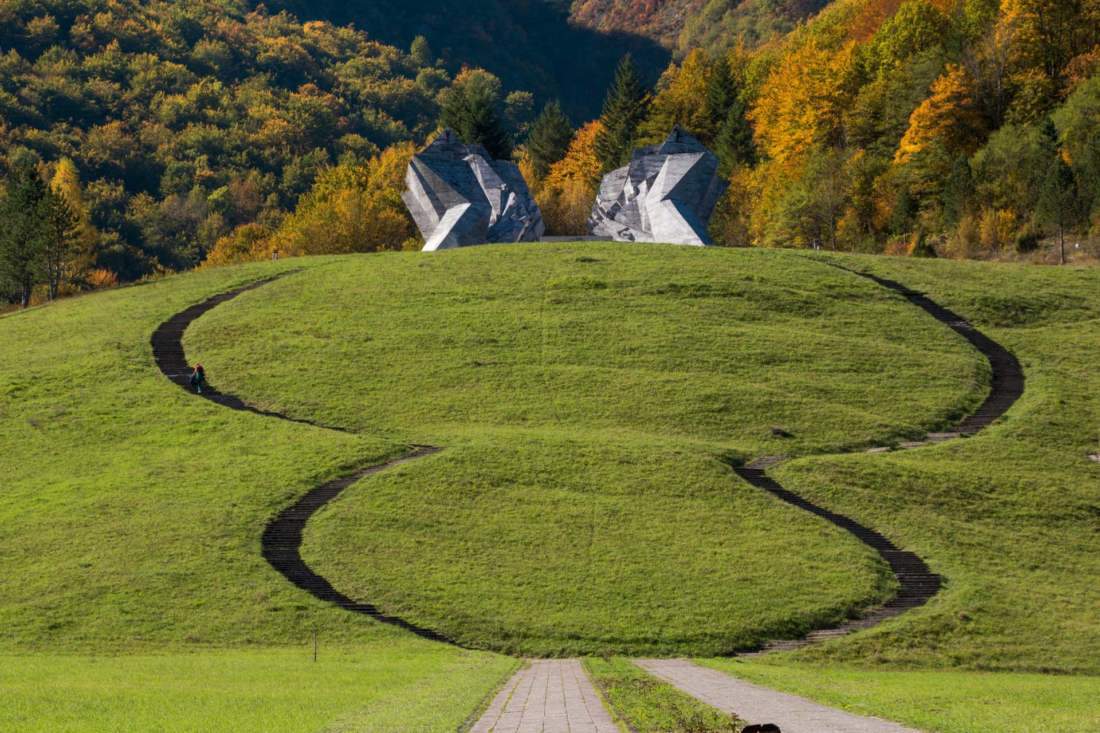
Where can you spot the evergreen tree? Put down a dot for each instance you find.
(734, 144)
(60, 237)
(421, 52)
(1057, 201)
(623, 110)
(957, 191)
(549, 139)
(472, 109)
(722, 94)
(22, 236)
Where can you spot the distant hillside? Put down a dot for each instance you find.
(685, 24)
(186, 120)
(530, 44)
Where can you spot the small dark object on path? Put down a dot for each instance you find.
(781, 433)
(765, 728)
(198, 378)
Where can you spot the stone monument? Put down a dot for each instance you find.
(458, 196)
(666, 194)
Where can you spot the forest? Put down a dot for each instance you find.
(186, 134)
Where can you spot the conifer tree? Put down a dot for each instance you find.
(472, 109)
(22, 236)
(722, 94)
(1058, 194)
(60, 232)
(734, 144)
(549, 139)
(623, 110)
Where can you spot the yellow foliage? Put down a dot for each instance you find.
(567, 194)
(949, 117)
(351, 208)
(801, 105)
(679, 101)
(246, 243)
(101, 279)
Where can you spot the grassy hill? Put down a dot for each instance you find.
(588, 399)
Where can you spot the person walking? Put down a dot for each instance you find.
(198, 378)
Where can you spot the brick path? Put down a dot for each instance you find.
(548, 696)
(756, 704)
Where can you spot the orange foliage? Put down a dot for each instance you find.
(567, 194)
(802, 103)
(680, 100)
(949, 117)
(101, 279)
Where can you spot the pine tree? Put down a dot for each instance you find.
(472, 109)
(22, 236)
(734, 144)
(722, 94)
(623, 110)
(1057, 201)
(60, 238)
(421, 52)
(549, 139)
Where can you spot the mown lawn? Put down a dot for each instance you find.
(130, 522)
(394, 686)
(938, 701)
(587, 398)
(645, 704)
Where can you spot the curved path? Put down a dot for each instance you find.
(282, 538)
(918, 584)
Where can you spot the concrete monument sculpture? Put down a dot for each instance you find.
(666, 194)
(458, 196)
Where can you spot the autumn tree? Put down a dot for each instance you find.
(624, 109)
(352, 207)
(679, 101)
(549, 139)
(66, 184)
(802, 103)
(569, 190)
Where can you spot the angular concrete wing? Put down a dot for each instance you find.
(666, 194)
(458, 196)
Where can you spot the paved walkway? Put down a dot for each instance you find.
(756, 704)
(548, 696)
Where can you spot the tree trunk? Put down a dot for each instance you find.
(1062, 245)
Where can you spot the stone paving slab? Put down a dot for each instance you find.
(547, 696)
(755, 704)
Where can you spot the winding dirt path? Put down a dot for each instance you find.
(282, 539)
(918, 584)
(558, 695)
(281, 543)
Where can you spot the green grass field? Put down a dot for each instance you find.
(585, 398)
(588, 399)
(645, 704)
(942, 701)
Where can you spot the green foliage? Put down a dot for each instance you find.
(164, 108)
(472, 107)
(24, 211)
(624, 109)
(549, 139)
